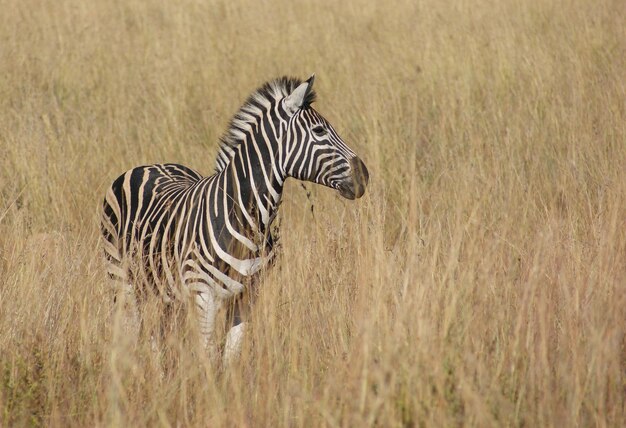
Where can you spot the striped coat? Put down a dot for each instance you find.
(168, 229)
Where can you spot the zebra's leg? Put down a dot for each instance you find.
(126, 312)
(232, 348)
(234, 338)
(208, 304)
(126, 301)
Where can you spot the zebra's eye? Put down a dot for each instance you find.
(319, 131)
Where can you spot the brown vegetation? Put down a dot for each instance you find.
(481, 280)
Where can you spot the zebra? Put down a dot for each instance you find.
(206, 238)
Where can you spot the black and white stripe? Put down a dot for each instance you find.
(169, 229)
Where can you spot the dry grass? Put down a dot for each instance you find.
(481, 281)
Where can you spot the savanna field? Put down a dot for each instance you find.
(481, 280)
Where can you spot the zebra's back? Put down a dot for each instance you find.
(136, 214)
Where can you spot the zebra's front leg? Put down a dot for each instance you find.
(208, 304)
(234, 338)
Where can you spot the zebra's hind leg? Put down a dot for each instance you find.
(125, 310)
(127, 321)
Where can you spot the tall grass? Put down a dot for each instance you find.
(481, 281)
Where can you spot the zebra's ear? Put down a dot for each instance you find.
(296, 100)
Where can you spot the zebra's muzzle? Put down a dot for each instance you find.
(354, 186)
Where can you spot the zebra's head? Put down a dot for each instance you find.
(313, 151)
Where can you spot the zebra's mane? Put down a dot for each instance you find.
(257, 103)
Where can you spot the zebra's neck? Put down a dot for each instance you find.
(254, 180)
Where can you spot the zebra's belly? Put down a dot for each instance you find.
(181, 276)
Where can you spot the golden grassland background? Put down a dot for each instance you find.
(481, 280)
